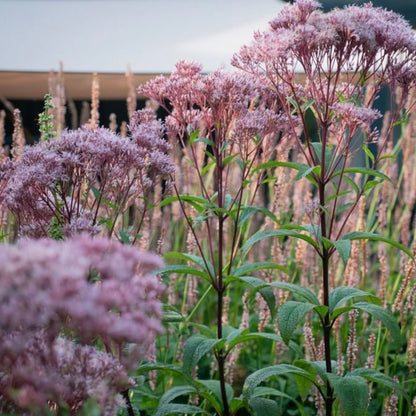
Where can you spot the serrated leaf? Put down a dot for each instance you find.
(364, 171)
(171, 315)
(342, 294)
(275, 164)
(249, 336)
(269, 391)
(264, 407)
(261, 235)
(377, 377)
(384, 316)
(254, 379)
(172, 394)
(194, 349)
(344, 249)
(248, 211)
(198, 203)
(166, 368)
(249, 268)
(352, 394)
(290, 314)
(358, 235)
(297, 290)
(214, 388)
(177, 408)
(304, 171)
(206, 266)
(184, 269)
(262, 287)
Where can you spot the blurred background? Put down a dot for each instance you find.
(55, 46)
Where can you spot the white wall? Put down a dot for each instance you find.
(108, 35)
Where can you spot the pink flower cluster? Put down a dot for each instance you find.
(211, 103)
(89, 290)
(84, 175)
(377, 41)
(346, 56)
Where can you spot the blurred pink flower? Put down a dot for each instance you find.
(91, 289)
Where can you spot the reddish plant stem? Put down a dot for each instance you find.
(129, 406)
(325, 255)
(220, 287)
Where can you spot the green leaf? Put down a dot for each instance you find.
(262, 287)
(193, 136)
(329, 151)
(172, 394)
(124, 237)
(344, 249)
(275, 164)
(368, 152)
(204, 140)
(228, 159)
(248, 268)
(248, 336)
(364, 171)
(248, 211)
(214, 389)
(352, 394)
(383, 315)
(207, 267)
(297, 290)
(194, 349)
(371, 184)
(304, 171)
(290, 314)
(177, 408)
(261, 235)
(377, 377)
(96, 192)
(183, 268)
(268, 391)
(358, 235)
(171, 315)
(264, 407)
(254, 379)
(236, 403)
(166, 368)
(342, 294)
(197, 202)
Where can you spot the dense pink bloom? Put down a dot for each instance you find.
(90, 288)
(84, 175)
(216, 104)
(373, 40)
(340, 53)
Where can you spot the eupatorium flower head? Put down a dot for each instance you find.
(83, 175)
(90, 288)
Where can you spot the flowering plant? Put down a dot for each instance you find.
(238, 132)
(87, 178)
(59, 302)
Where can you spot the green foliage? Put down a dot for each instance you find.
(46, 126)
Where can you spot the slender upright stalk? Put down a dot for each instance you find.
(325, 257)
(129, 406)
(220, 287)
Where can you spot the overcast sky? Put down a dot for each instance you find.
(109, 35)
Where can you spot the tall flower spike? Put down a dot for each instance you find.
(18, 140)
(93, 122)
(2, 135)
